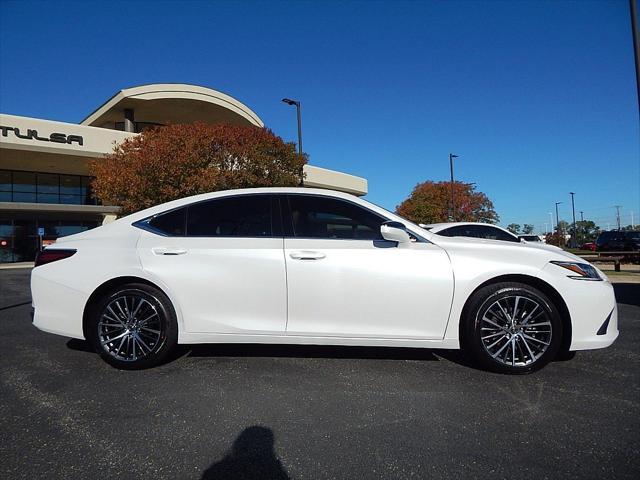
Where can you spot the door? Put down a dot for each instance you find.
(222, 260)
(345, 280)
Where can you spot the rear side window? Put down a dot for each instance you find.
(170, 223)
(324, 217)
(241, 216)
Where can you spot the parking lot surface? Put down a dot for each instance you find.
(259, 412)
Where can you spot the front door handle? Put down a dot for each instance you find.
(307, 255)
(168, 251)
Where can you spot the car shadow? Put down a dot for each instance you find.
(285, 351)
(308, 351)
(251, 457)
(627, 293)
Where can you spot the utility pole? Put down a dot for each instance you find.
(633, 9)
(582, 229)
(632, 225)
(452, 214)
(560, 234)
(573, 209)
(617, 207)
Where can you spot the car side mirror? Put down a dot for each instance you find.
(395, 232)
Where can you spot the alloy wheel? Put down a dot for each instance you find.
(515, 330)
(130, 328)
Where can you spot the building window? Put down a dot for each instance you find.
(40, 187)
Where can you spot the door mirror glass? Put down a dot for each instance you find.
(394, 232)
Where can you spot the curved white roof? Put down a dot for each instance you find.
(173, 103)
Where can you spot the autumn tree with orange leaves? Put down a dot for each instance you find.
(175, 161)
(429, 203)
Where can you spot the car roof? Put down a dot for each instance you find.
(436, 227)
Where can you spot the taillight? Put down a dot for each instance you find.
(52, 255)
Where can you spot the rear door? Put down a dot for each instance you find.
(222, 260)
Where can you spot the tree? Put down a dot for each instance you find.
(514, 228)
(587, 230)
(175, 161)
(429, 202)
(527, 229)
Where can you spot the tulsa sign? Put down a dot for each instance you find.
(33, 135)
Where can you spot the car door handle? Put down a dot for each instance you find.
(307, 255)
(168, 251)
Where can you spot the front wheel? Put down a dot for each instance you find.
(133, 327)
(511, 328)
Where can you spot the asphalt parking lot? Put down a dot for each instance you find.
(259, 412)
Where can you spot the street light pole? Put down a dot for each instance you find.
(558, 224)
(573, 209)
(288, 101)
(452, 214)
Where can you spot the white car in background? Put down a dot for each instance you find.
(308, 266)
(485, 231)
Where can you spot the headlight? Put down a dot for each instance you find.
(582, 271)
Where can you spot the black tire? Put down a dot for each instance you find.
(523, 346)
(133, 327)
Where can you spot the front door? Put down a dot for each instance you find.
(345, 280)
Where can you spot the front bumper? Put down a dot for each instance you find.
(590, 304)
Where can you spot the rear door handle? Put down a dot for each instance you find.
(307, 255)
(168, 251)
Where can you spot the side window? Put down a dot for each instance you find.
(170, 223)
(240, 216)
(324, 217)
(496, 234)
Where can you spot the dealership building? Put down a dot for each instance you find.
(45, 187)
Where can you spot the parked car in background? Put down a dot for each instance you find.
(307, 266)
(618, 241)
(471, 229)
(532, 238)
(588, 246)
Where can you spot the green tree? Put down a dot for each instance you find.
(514, 228)
(430, 202)
(527, 229)
(175, 161)
(587, 230)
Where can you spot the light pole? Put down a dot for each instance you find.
(452, 214)
(558, 224)
(617, 207)
(288, 101)
(573, 209)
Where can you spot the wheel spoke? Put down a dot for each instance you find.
(534, 339)
(491, 322)
(514, 315)
(108, 340)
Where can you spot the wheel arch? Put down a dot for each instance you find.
(110, 285)
(535, 282)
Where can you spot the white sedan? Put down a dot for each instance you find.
(305, 266)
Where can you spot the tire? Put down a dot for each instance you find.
(133, 327)
(496, 343)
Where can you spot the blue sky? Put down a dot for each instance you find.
(537, 98)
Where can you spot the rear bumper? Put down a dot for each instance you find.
(56, 308)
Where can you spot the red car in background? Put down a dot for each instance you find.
(588, 246)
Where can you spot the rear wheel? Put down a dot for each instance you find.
(511, 328)
(133, 327)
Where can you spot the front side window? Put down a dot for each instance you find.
(325, 217)
(493, 233)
